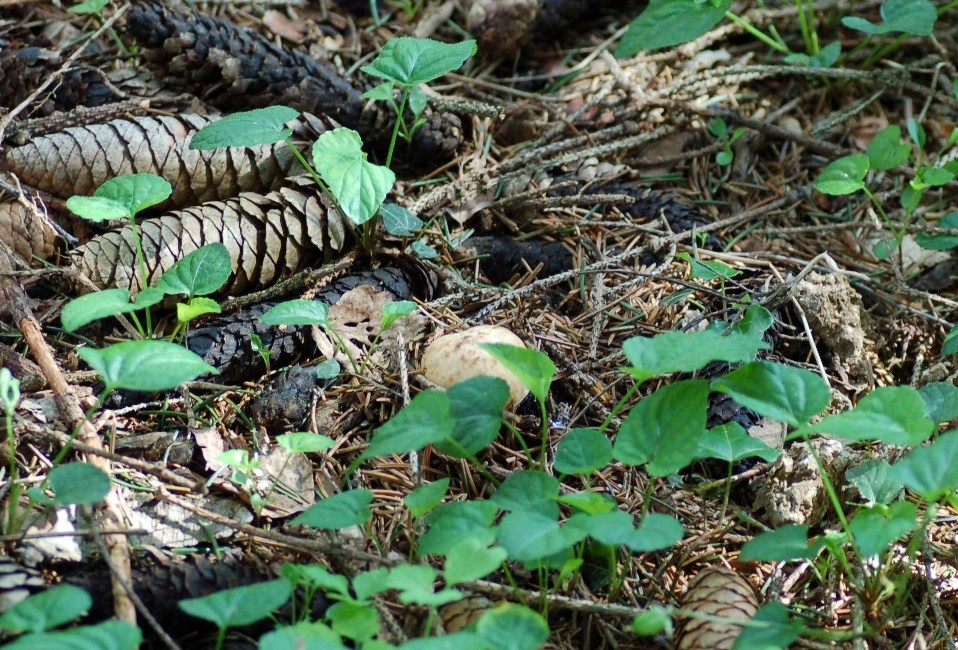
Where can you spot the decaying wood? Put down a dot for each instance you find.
(79, 159)
(24, 68)
(502, 26)
(268, 236)
(27, 232)
(225, 343)
(236, 69)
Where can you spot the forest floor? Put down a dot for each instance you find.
(684, 188)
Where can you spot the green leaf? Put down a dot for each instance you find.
(96, 209)
(350, 508)
(730, 442)
(931, 177)
(772, 629)
(653, 434)
(941, 401)
(528, 489)
(145, 365)
(382, 92)
(783, 393)
(328, 369)
(357, 621)
(591, 503)
(411, 61)
(513, 627)
(239, 605)
(302, 636)
(528, 535)
(88, 7)
(616, 528)
(369, 583)
(843, 176)
(886, 151)
(916, 17)
(78, 483)
(686, 351)
(874, 481)
(450, 523)
(533, 368)
(656, 619)
(701, 270)
(246, 129)
(46, 610)
(424, 421)
(316, 577)
(399, 221)
(108, 635)
(200, 273)
(755, 322)
(297, 312)
(358, 185)
(423, 251)
(426, 497)
(418, 99)
(876, 527)
(471, 560)
(780, 545)
(930, 471)
(393, 311)
(136, 192)
(456, 641)
(196, 307)
(476, 405)
(304, 442)
(940, 242)
(950, 344)
(892, 414)
(665, 23)
(916, 132)
(94, 306)
(414, 582)
(582, 451)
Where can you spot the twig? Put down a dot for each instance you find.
(111, 512)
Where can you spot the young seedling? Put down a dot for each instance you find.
(38, 616)
(124, 197)
(409, 63)
(847, 175)
(340, 168)
(201, 272)
(238, 606)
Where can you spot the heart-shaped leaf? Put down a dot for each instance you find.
(412, 61)
(843, 176)
(358, 185)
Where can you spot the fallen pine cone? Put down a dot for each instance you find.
(718, 592)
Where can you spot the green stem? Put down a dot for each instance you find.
(399, 118)
(522, 443)
(141, 261)
(757, 33)
(545, 435)
(881, 52)
(619, 406)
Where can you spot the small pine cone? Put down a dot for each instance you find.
(501, 26)
(716, 591)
